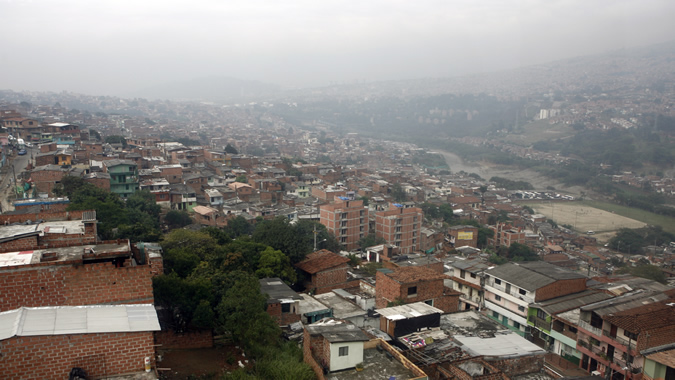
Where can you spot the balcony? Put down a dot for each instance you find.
(540, 323)
(587, 326)
(621, 340)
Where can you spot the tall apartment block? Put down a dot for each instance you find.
(347, 220)
(400, 226)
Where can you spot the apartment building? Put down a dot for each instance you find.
(400, 227)
(123, 176)
(613, 334)
(505, 235)
(512, 287)
(347, 220)
(466, 279)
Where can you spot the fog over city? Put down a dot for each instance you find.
(119, 47)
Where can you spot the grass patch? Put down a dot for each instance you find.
(666, 222)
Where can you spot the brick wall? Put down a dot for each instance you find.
(560, 288)
(282, 319)
(101, 183)
(54, 207)
(656, 337)
(309, 358)
(73, 284)
(519, 365)
(388, 290)
(22, 244)
(52, 357)
(331, 276)
(189, 339)
(47, 215)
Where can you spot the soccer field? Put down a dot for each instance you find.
(584, 218)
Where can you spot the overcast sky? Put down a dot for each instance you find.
(106, 47)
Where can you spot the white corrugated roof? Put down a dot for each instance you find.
(410, 310)
(61, 320)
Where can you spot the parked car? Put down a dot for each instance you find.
(22, 152)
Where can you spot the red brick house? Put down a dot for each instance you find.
(93, 305)
(282, 302)
(324, 271)
(414, 284)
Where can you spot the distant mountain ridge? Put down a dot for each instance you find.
(211, 88)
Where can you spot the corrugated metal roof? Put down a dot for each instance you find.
(412, 310)
(532, 275)
(61, 320)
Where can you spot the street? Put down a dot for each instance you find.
(20, 163)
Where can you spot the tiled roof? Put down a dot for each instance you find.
(321, 260)
(405, 275)
(645, 317)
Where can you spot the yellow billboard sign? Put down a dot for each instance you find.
(465, 235)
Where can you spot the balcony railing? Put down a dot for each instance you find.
(587, 326)
(620, 339)
(540, 323)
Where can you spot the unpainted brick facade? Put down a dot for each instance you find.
(53, 356)
(560, 288)
(389, 290)
(74, 284)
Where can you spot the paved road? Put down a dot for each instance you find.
(7, 192)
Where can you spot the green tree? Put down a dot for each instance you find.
(239, 226)
(370, 240)
(521, 252)
(648, 271)
(273, 263)
(241, 178)
(242, 315)
(230, 149)
(398, 193)
(177, 219)
(116, 139)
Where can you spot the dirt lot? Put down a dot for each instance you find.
(584, 218)
(489, 170)
(202, 363)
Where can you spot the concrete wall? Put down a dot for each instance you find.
(354, 357)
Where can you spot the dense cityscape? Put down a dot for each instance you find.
(513, 224)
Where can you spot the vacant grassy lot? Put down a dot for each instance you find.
(647, 217)
(585, 217)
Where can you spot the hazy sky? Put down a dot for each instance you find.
(118, 46)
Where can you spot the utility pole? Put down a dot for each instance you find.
(16, 193)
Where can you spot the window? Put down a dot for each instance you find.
(498, 281)
(516, 325)
(344, 351)
(429, 302)
(541, 314)
(412, 291)
(344, 215)
(473, 275)
(522, 291)
(495, 314)
(462, 273)
(285, 307)
(508, 288)
(521, 309)
(630, 335)
(498, 298)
